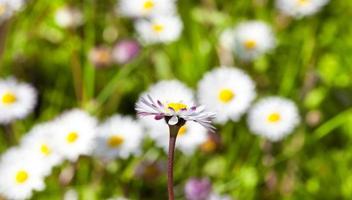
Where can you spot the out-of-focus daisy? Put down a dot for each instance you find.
(198, 189)
(125, 50)
(39, 141)
(226, 91)
(8, 7)
(68, 17)
(100, 56)
(174, 103)
(252, 39)
(273, 118)
(300, 8)
(144, 8)
(17, 100)
(227, 39)
(74, 134)
(159, 29)
(118, 137)
(190, 136)
(20, 174)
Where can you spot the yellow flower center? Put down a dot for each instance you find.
(182, 130)
(158, 28)
(149, 4)
(72, 137)
(103, 56)
(8, 98)
(2, 9)
(274, 117)
(176, 106)
(208, 146)
(45, 150)
(115, 141)
(303, 2)
(226, 95)
(250, 44)
(21, 177)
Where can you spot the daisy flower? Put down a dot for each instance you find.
(252, 39)
(119, 136)
(273, 118)
(67, 17)
(100, 56)
(226, 91)
(17, 100)
(40, 143)
(159, 29)
(74, 134)
(20, 174)
(146, 8)
(8, 7)
(300, 8)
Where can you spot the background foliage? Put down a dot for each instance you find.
(311, 65)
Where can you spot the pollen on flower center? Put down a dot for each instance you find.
(8, 98)
(72, 137)
(158, 28)
(226, 95)
(250, 44)
(182, 130)
(176, 106)
(147, 5)
(21, 176)
(274, 117)
(44, 149)
(115, 141)
(2, 9)
(303, 2)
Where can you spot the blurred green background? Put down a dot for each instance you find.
(312, 65)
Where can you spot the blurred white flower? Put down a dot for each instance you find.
(17, 100)
(226, 91)
(227, 39)
(39, 141)
(273, 118)
(159, 29)
(20, 174)
(215, 196)
(300, 8)
(145, 8)
(118, 136)
(8, 7)
(68, 17)
(252, 39)
(100, 57)
(74, 134)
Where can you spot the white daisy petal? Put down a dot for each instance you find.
(300, 8)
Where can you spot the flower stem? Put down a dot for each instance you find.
(170, 164)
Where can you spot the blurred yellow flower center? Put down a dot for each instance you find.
(8, 98)
(226, 95)
(303, 2)
(148, 5)
(21, 176)
(2, 9)
(115, 141)
(158, 28)
(208, 146)
(274, 117)
(176, 106)
(44, 149)
(72, 137)
(103, 56)
(250, 44)
(182, 130)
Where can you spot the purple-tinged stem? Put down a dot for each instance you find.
(170, 164)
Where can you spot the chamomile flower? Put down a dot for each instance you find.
(226, 91)
(17, 100)
(159, 29)
(74, 134)
(40, 141)
(20, 174)
(189, 138)
(273, 118)
(252, 39)
(68, 17)
(300, 8)
(119, 136)
(145, 8)
(174, 103)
